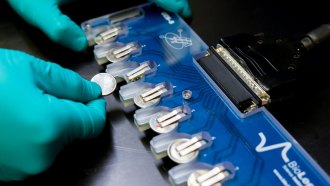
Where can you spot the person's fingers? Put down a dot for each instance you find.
(63, 83)
(186, 11)
(81, 121)
(178, 6)
(46, 15)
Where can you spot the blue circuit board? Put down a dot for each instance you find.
(254, 147)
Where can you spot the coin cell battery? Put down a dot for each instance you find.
(138, 72)
(108, 27)
(106, 81)
(165, 122)
(150, 96)
(91, 33)
(185, 150)
(123, 53)
(131, 71)
(110, 34)
(115, 51)
(214, 177)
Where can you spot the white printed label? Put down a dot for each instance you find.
(291, 168)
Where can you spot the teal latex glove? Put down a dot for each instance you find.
(43, 107)
(178, 6)
(46, 15)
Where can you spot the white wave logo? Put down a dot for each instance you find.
(285, 146)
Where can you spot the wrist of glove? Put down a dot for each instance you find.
(43, 108)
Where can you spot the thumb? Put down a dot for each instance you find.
(46, 16)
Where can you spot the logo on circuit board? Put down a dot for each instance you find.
(176, 41)
(292, 167)
(285, 146)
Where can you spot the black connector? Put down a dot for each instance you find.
(228, 81)
(271, 60)
(254, 70)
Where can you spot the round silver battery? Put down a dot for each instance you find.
(155, 126)
(98, 39)
(106, 81)
(143, 104)
(192, 180)
(174, 155)
(112, 57)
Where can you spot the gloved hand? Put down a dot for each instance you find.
(178, 6)
(43, 107)
(46, 15)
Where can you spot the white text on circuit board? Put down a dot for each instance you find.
(168, 18)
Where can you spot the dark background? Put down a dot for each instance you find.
(121, 156)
